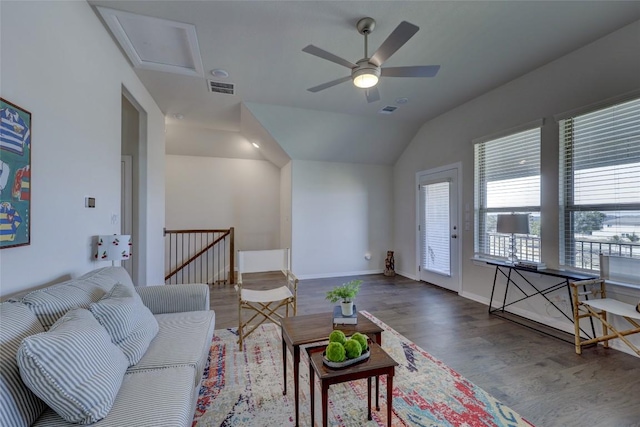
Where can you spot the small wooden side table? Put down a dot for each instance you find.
(379, 363)
(309, 329)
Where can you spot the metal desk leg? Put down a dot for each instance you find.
(493, 289)
(506, 290)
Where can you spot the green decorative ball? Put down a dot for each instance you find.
(362, 339)
(335, 352)
(353, 349)
(337, 336)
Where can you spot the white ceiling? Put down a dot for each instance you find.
(479, 44)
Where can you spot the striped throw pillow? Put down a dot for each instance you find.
(51, 303)
(74, 367)
(19, 406)
(127, 320)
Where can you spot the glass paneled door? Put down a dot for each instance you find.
(438, 228)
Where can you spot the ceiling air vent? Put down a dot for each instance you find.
(227, 88)
(387, 110)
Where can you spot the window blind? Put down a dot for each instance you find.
(436, 255)
(507, 179)
(600, 185)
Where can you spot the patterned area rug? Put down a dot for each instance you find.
(245, 389)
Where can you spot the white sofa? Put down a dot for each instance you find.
(161, 389)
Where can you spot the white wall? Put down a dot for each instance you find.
(606, 68)
(59, 62)
(212, 192)
(189, 140)
(340, 212)
(285, 206)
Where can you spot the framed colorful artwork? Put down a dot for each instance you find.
(15, 175)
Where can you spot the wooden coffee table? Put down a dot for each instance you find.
(312, 328)
(379, 363)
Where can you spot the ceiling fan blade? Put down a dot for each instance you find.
(321, 53)
(372, 94)
(396, 39)
(413, 71)
(329, 84)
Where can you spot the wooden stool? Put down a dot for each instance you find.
(379, 363)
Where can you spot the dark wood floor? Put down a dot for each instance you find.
(538, 376)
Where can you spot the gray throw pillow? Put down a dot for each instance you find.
(74, 367)
(127, 320)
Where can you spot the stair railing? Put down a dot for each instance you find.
(200, 256)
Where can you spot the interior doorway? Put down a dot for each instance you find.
(439, 237)
(130, 179)
(126, 203)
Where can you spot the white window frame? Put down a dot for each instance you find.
(570, 255)
(529, 247)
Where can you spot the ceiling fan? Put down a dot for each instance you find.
(366, 72)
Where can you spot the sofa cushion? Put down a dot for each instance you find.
(74, 367)
(175, 298)
(147, 398)
(50, 304)
(129, 323)
(20, 407)
(183, 339)
(107, 277)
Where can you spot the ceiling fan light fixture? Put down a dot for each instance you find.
(366, 75)
(365, 80)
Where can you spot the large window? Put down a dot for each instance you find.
(507, 180)
(600, 185)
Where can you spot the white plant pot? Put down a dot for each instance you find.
(347, 308)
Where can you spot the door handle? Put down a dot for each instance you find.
(454, 236)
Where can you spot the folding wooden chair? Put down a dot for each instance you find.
(264, 304)
(590, 301)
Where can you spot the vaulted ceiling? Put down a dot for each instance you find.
(479, 45)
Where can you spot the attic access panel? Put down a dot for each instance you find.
(154, 43)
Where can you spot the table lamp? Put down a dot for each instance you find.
(115, 247)
(513, 224)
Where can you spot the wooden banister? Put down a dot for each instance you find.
(220, 235)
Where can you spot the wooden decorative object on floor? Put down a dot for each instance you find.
(389, 265)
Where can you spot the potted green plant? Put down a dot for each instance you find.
(345, 293)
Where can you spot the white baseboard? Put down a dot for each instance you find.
(474, 297)
(545, 320)
(328, 275)
(554, 323)
(411, 276)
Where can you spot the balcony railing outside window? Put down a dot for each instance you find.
(587, 254)
(527, 247)
(586, 251)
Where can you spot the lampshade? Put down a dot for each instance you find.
(513, 224)
(115, 247)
